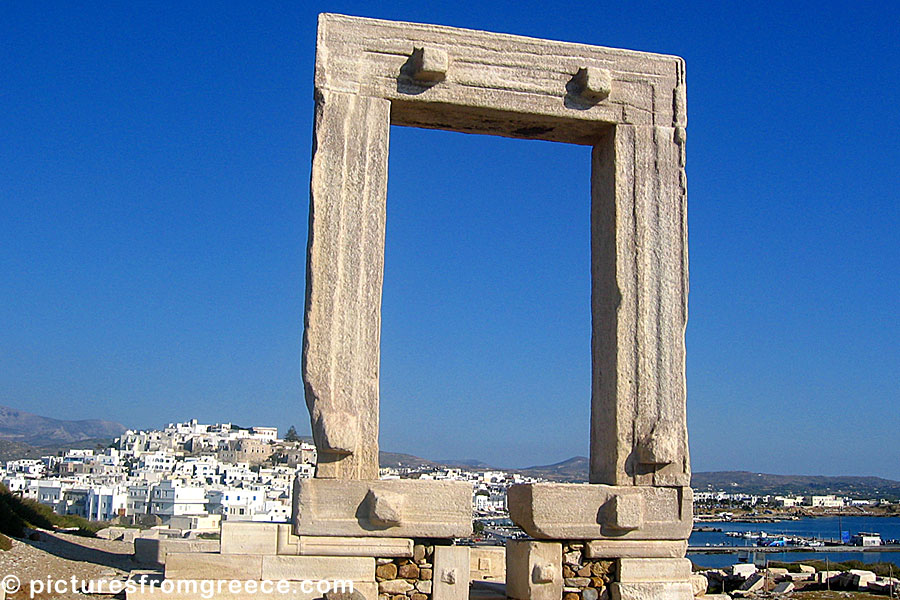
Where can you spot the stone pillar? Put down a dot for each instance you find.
(345, 267)
(639, 309)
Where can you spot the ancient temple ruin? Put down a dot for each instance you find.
(630, 107)
(623, 534)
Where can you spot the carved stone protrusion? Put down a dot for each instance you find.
(543, 573)
(625, 512)
(429, 64)
(335, 431)
(448, 576)
(385, 509)
(658, 448)
(593, 83)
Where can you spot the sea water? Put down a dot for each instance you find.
(822, 528)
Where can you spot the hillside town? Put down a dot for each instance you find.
(182, 486)
(191, 476)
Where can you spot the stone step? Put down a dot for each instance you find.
(268, 567)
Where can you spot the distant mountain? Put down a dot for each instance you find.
(396, 459)
(34, 430)
(16, 450)
(574, 469)
(764, 483)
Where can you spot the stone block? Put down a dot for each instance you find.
(884, 585)
(153, 551)
(650, 570)
(594, 511)
(395, 586)
(450, 580)
(699, 584)
(191, 565)
(824, 576)
(487, 563)
(317, 568)
(860, 579)
(651, 591)
(753, 583)
(419, 508)
(743, 569)
(534, 570)
(248, 537)
(785, 587)
(308, 545)
(635, 549)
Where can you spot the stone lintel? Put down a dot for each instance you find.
(571, 511)
(481, 81)
(405, 508)
(309, 545)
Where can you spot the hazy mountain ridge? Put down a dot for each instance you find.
(10, 450)
(576, 468)
(26, 435)
(35, 430)
(766, 483)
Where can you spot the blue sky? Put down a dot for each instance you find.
(154, 170)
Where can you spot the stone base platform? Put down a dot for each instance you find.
(266, 560)
(574, 511)
(406, 508)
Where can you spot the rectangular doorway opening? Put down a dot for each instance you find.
(486, 315)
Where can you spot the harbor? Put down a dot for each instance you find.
(873, 540)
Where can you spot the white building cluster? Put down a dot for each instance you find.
(793, 501)
(189, 474)
(489, 487)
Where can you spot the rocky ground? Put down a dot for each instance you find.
(62, 556)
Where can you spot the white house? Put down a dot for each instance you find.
(173, 498)
(104, 503)
(826, 501)
(237, 504)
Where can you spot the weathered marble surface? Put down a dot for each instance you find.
(630, 106)
(599, 512)
(409, 508)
